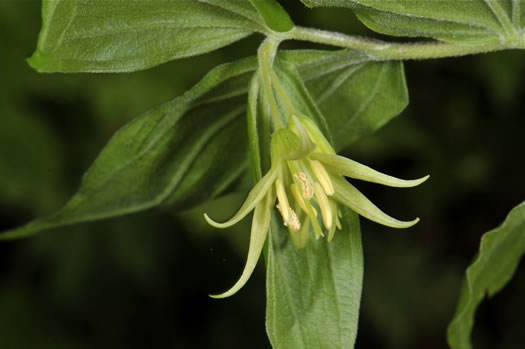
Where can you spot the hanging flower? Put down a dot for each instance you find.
(306, 184)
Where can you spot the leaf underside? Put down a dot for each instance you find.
(463, 22)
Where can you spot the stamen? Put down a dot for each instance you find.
(294, 223)
(306, 185)
(331, 232)
(299, 198)
(322, 201)
(322, 176)
(283, 206)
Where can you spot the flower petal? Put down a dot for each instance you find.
(349, 196)
(353, 169)
(256, 194)
(291, 143)
(316, 135)
(260, 226)
(306, 146)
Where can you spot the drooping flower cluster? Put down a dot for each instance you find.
(306, 184)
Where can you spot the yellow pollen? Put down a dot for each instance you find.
(306, 185)
(322, 201)
(322, 176)
(294, 223)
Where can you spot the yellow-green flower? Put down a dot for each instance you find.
(306, 183)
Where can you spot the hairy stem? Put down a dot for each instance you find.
(382, 50)
(266, 55)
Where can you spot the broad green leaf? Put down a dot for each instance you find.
(466, 21)
(314, 293)
(498, 257)
(147, 163)
(123, 36)
(177, 153)
(275, 17)
(356, 96)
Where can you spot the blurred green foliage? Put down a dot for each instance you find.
(142, 280)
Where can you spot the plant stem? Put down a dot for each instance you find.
(381, 50)
(266, 56)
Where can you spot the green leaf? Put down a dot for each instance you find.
(314, 293)
(498, 257)
(467, 21)
(356, 96)
(275, 17)
(182, 153)
(147, 163)
(123, 36)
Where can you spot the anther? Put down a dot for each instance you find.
(322, 176)
(306, 185)
(299, 198)
(294, 223)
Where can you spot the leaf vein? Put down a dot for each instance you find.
(338, 82)
(501, 16)
(365, 103)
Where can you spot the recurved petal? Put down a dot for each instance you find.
(353, 169)
(348, 195)
(260, 226)
(254, 197)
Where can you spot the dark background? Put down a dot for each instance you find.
(142, 280)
